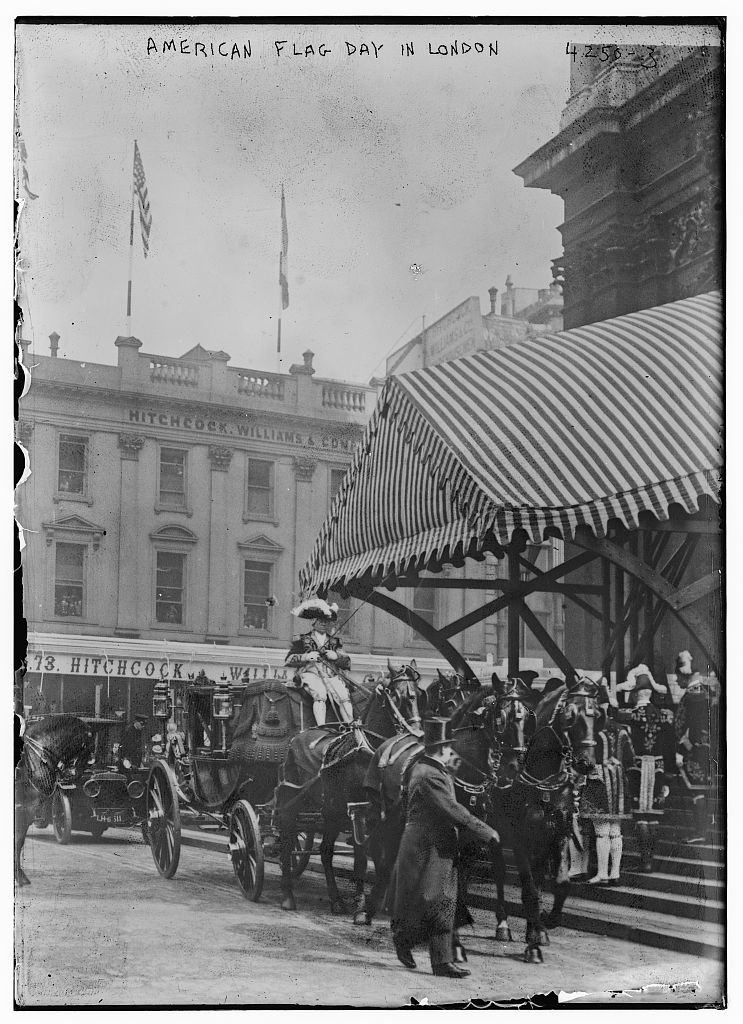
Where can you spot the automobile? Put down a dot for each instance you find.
(106, 792)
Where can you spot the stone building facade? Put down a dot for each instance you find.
(637, 162)
(169, 507)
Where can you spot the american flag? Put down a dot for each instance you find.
(284, 257)
(140, 187)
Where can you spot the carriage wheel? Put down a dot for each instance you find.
(62, 817)
(303, 844)
(246, 849)
(163, 819)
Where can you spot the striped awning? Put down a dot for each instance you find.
(598, 423)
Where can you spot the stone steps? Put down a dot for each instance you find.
(675, 908)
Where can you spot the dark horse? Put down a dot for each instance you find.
(47, 746)
(324, 773)
(444, 694)
(535, 812)
(483, 724)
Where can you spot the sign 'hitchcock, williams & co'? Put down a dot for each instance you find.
(248, 431)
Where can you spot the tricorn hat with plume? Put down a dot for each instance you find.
(316, 608)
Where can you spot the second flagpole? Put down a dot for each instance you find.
(279, 357)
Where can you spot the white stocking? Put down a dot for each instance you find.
(602, 851)
(319, 709)
(615, 848)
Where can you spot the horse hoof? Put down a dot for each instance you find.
(460, 955)
(360, 918)
(288, 903)
(543, 938)
(338, 907)
(503, 933)
(533, 955)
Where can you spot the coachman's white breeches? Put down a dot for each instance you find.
(319, 689)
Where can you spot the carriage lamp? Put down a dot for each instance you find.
(161, 703)
(222, 700)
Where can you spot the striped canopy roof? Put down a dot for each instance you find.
(600, 422)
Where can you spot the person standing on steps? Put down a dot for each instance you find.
(423, 887)
(318, 656)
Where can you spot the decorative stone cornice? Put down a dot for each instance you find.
(23, 431)
(304, 468)
(220, 457)
(130, 445)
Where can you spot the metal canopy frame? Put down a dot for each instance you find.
(643, 578)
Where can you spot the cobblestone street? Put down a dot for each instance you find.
(98, 926)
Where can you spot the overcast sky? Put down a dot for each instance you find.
(389, 163)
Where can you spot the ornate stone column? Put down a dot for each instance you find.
(131, 605)
(220, 459)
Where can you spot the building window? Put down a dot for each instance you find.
(73, 461)
(173, 477)
(257, 587)
(425, 604)
(170, 587)
(259, 490)
(69, 591)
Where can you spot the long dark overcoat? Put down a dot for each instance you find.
(423, 887)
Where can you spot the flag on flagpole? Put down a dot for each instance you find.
(22, 170)
(284, 257)
(140, 187)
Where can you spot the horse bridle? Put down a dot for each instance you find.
(385, 691)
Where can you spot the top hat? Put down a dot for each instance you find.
(317, 609)
(642, 682)
(528, 675)
(436, 732)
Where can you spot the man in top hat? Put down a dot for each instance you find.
(132, 742)
(423, 888)
(318, 656)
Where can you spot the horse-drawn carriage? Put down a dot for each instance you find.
(238, 738)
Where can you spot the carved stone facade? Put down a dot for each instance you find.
(220, 458)
(639, 169)
(304, 469)
(130, 446)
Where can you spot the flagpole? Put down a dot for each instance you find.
(278, 337)
(131, 259)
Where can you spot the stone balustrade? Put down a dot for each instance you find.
(258, 384)
(165, 370)
(341, 396)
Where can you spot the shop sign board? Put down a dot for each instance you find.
(459, 333)
(120, 666)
